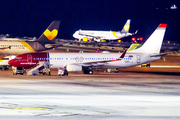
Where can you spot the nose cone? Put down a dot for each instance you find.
(74, 35)
(12, 62)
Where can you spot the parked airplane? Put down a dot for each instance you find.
(103, 35)
(4, 62)
(44, 42)
(149, 51)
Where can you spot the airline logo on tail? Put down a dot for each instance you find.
(162, 26)
(50, 34)
(126, 27)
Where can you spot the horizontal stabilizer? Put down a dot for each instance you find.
(162, 54)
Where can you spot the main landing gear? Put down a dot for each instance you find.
(87, 70)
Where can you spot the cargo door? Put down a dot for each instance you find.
(138, 58)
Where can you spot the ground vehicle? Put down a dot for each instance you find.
(62, 71)
(18, 70)
(145, 65)
(4, 62)
(4, 67)
(114, 70)
(44, 71)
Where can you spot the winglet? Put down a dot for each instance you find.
(136, 32)
(97, 51)
(122, 55)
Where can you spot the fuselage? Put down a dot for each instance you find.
(108, 35)
(62, 59)
(19, 47)
(4, 61)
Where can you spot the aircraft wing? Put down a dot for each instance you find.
(5, 48)
(97, 63)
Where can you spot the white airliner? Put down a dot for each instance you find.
(103, 35)
(44, 42)
(148, 52)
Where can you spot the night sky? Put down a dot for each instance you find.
(31, 17)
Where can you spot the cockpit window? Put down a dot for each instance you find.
(18, 58)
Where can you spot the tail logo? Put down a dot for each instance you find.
(50, 34)
(126, 27)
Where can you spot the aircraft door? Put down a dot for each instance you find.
(29, 58)
(138, 58)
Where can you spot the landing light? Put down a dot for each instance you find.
(135, 41)
(119, 41)
(133, 38)
(140, 38)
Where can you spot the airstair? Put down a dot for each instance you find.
(38, 68)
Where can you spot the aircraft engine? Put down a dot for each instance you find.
(74, 68)
(97, 39)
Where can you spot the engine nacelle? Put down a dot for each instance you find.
(74, 68)
(106, 52)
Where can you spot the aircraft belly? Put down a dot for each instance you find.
(57, 63)
(110, 37)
